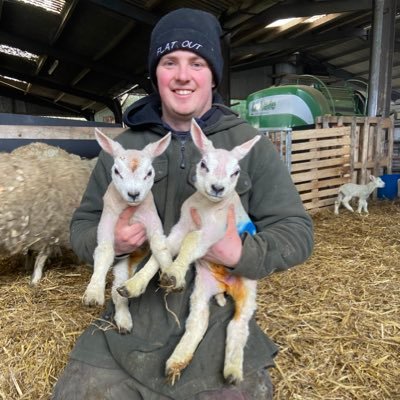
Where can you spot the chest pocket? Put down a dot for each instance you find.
(243, 187)
(160, 169)
(159, 188)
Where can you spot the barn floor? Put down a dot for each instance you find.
(336, 318)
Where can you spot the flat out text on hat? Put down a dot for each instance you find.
(175, 45)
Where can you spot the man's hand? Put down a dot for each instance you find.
(127, 238)
(228, 250)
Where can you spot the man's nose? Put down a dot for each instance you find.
(183, 73)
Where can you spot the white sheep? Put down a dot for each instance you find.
(216, 177)
(40, 187)
(132, 180)
(362, 192)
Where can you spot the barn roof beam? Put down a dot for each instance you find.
(30, 98)
(128, 10)
(39, 48)
(301, 8)
(297, 43)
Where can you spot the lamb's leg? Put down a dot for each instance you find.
(196, 325)
(338, 202)
(159, 248)
(220, 299)
(38, 267)
(136, 285)
(345, 202)
(362, 205)
(122, 315)
(238, 330)
(103, 259)
(193, 247)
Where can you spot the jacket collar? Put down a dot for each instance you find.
(147, 112)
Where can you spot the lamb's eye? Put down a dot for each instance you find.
(236, 173)
(203, 165)
(149, 174)
(116, 172)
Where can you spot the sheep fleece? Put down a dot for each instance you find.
(37, 197)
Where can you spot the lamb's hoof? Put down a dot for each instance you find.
(168, 283)
(173, 375)
(124, 324)
(92, 302)
(232, 380)
(233, 375)
(123, 291)
(34, 283)
(93, 297)
(124, 331)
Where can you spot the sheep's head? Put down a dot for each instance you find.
(378, 182)
(218, 170)
(132, 172)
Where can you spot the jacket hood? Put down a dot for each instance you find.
(146, 113)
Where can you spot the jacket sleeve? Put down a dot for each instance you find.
(83, 227)
(284, 235)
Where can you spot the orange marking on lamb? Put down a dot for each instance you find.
(134, 164)
(136, 257)
(232, 285)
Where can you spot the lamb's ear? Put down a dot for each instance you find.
(372, 178)
(199, 138)
(157, 148)
(240, 151)
(108, 145)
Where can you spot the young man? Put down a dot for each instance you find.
(185, 66)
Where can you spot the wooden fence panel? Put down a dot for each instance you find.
(320, 164)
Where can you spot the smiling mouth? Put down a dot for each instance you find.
(183, 92)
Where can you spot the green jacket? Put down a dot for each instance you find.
(284, 238)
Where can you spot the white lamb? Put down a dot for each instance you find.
(132, 180)
(40, 187)
(350, 190)
(217, 174)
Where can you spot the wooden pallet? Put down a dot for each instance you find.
(320, 163)
(371, 144)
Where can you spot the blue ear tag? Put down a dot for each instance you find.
(247, 226)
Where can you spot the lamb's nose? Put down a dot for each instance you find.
(133, 196)
(217, 189)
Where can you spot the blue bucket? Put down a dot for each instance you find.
(390, 190)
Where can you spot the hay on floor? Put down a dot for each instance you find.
(336, 318)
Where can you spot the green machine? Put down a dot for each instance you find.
(286, 106)
(296, 105)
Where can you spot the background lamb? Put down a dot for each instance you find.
(350, 190)
(40, 187)
(132, 179)
(202, 224)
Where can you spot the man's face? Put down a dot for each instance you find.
(185, 85)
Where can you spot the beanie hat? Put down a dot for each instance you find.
(187, 29)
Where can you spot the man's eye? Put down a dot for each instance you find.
(168, 63)
(198, 65)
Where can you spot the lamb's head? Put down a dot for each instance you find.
(218, 170)
(132, 172)
(378, 182)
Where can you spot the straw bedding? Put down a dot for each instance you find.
(336, 318)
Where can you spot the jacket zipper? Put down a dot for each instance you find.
(183, 161)
(182, 137)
